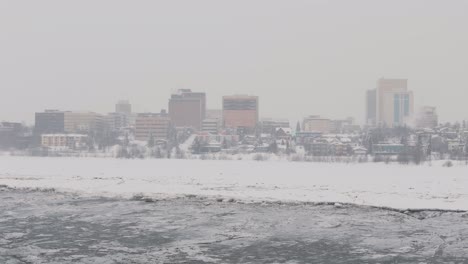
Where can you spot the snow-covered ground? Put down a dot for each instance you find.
(396, 186)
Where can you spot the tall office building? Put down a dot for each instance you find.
(49, 121)
(123, 107)
(154, 125)
(240, 111)
(187, 109)
(371, 107)
(390, 104)
(116, 121)
(84, 123)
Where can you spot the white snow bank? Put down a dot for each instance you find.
(395, 186)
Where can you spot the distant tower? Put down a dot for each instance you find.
(240, 111)
(187, 108)
(371, 107)
(123, 107)
(390, 104)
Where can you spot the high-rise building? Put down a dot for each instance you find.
(84, 123)
(49, 121)
(10, 133)
(123, 107)
(117, 121)
(393, 103)
(187, 109)
(427, 117)
(156, 125)
(240, 111)
(371, 107)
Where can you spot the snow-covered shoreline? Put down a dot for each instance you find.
(381, 185)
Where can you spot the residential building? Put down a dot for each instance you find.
(64, 141)
(317, 124)
(341, 149)
(155, 125)
(319, 148)
(187, 109)
(393, 103)
(269, 125)
(241, 112)
(427, 117)
(283, 133)
(304, 137)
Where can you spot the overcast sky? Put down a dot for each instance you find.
(301, 57)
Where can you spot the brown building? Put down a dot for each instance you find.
(152, 124)
(390, 104)
(317, 124)
(84, 122)
(240, 111)
(187, 109)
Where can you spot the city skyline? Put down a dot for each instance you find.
(299, 117)
(301, 58)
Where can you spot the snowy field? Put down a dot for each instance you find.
(395, 186)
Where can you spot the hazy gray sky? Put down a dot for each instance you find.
(300, 56)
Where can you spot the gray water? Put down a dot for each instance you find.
(49, 227)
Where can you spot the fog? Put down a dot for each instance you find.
(301, 57)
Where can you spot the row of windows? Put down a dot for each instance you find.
(240, 105)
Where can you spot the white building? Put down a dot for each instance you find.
(64, 141)
(427, 117)
(211, 125)
(317, 124)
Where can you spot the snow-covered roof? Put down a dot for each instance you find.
(64, 135)
(286, 130)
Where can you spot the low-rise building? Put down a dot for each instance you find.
(64, 141)
(319, 148)
(387, 149)
(269, 125)
(303, 138)
(212, 125)
(283, 133)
